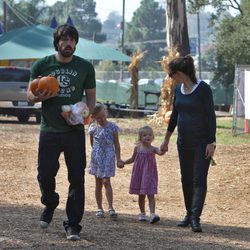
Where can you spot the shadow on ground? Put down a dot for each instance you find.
(19, 230)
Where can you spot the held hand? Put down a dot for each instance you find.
(120, 164)
(44, 95)
(164, 146)
(66, 116)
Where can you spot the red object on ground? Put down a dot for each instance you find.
(246, 126)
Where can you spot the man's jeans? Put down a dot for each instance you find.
(72, 144)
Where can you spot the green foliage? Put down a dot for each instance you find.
(24, 13)
(208, 59)
(83, 15)
(112, 29)
(220, 6)
(224, 73)
(232, 36)
(232, 39)
(147, 25)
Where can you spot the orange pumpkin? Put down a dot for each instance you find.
(48, 83)
(34, 85)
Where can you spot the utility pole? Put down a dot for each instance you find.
(122, 38)
(4, 16)
(199, 43)
(123, 24)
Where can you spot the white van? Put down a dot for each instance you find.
(13, 99)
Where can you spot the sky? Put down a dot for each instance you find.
(104, 7)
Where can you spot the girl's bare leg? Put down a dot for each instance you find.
(109, 192)
(98, 192)
(153, 217)
(141, 202)
(151, 202)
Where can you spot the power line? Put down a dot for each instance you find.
(19, 15)
(147, 41)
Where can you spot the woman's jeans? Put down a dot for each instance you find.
(72, 144)
(194, 170)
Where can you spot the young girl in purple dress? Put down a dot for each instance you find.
(144, 178)
(105, 145)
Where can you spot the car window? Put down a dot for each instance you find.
(14, 75)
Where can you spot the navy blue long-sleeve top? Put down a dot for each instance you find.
(194, 116)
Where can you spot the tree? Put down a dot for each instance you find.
(177, 31)
(146, 32)
(111, 27)
(232, 36)
(83, 15)
(232, 40)
(221, 6)
(24, 13)
(208, 59)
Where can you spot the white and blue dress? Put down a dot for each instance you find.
(102, 163)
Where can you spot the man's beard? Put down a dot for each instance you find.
(65, 52)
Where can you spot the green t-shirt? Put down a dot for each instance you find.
(73, 77)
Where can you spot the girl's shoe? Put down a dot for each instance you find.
(154, 218)
(100, 213)
(142, 217)
(112, 213)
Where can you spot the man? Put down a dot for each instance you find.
(75, 76)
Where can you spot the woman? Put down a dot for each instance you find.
(193, 114)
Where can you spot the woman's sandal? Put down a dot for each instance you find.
(112, 214)
(100, 213)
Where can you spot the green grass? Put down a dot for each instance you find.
(224, 134)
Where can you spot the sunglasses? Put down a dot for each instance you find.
(172, 74)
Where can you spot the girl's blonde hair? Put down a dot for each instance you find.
(142, 130)
(98, 108)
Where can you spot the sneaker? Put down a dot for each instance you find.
(112, 213)
(46, 217)
(142, 217)
(71, 234)
(154, 218)
(100, 213)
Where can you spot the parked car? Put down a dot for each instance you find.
(13, 99)
(159, 81)
(145, 81)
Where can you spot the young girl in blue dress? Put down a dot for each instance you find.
(105, 145)
(144, 178)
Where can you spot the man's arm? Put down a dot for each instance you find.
(90, 98)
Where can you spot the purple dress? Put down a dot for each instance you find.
(102, 163)
(144, 178)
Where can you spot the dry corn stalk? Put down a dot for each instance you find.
(133, 69)
(161, 117)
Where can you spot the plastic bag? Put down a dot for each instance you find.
(75, 113)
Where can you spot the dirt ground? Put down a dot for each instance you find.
(225, 219)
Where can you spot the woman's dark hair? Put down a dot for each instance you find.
(64, 31)
(183, 64)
